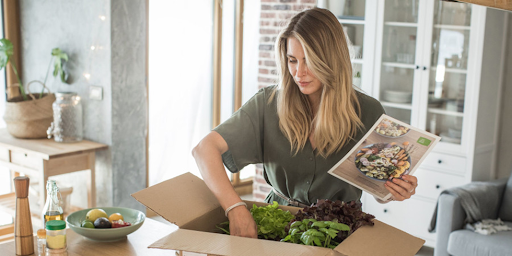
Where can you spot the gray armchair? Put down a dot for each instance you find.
(495, 202)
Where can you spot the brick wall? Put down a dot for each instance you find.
(274, 14)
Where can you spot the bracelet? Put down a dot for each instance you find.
(233, 206)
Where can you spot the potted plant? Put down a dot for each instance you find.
(29, 115)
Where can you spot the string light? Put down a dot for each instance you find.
(102, 17)
(87, 76)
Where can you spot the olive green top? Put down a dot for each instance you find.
(253, 136)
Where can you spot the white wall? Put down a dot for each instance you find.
(505, 138)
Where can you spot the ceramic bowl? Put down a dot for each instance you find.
(135, 217)
(397, 96)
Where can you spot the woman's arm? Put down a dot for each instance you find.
(208, 156)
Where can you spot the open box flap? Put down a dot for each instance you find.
(381, 239)
(219, 244)
(179, 200)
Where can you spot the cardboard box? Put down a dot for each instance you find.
(187, 202)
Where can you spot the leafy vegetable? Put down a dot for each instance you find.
(316, 233)
(349, 213)
(324, 224)
(271, 221)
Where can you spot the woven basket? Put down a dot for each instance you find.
(31, 118)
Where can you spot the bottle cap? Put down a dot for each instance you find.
(41, 233)
(55, 225)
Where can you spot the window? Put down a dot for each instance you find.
(183, 104)
(9, 29)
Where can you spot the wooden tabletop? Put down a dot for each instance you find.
(47, 148)
(136, 243)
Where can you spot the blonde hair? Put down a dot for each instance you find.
(328, 58)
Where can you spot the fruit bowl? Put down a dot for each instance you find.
(135, 217)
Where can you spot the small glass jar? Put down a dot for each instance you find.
(41, 242)
(67, 118)
(55, 237)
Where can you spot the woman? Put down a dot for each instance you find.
(298, 129)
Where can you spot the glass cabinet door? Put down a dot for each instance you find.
(398, 56)
(351, 15)
(447, 79)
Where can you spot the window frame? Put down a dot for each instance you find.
(12, 31)
(242, 187)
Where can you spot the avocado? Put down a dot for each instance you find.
(102, 222)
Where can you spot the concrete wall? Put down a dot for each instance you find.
(105, 41)
(129, 99)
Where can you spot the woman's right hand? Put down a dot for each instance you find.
(208, 155)
(241, 223)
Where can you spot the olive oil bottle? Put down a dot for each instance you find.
(52, 209)
(53, 215)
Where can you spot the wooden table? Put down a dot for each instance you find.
(136, 243)
(42, 158)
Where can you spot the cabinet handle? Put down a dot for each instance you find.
(439, 161)
(437, 186)
(25, 155)
(385, 210)
(424, 68)
(417, 67)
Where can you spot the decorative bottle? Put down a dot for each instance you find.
(52, 209)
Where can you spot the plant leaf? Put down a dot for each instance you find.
(6, 51)
(59, 55)
(271, 221)
(63, 76)
(55, 70)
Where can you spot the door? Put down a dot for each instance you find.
(448, 56)
(397, 70)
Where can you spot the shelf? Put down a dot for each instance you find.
(357, 61)
(401, 24)
(351, 22)
(396, 105)
(398, 65)
(452, 70)
(445, 112)
(452, 27)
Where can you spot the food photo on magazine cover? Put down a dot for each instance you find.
(390, 149)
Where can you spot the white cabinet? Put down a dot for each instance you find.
(358, 18)
(438, 66)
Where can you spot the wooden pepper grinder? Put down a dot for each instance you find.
(23, 234)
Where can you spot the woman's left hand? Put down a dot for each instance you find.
(402, 189)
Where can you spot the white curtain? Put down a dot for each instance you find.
(180, 78)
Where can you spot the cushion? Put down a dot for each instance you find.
(466, 243)
(506, 203)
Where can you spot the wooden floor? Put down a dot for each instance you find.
(426, 251)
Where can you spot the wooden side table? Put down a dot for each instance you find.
(42, 158)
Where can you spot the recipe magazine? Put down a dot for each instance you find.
(390, 149)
